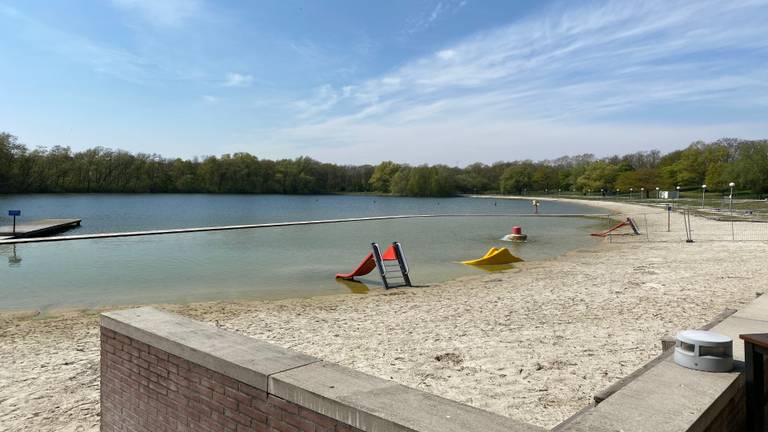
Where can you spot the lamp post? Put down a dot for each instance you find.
(617, 193)
(678, 195)
(730, 198)
(630, 193)
(658, 194)
(703, 191)
(642, 192)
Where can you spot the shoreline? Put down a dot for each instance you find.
(534, 343)
(47, 312)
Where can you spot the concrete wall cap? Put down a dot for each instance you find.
(240, 357)
(374, 404)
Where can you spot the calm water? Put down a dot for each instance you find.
(262, 263)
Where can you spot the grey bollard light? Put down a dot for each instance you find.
(704, 350)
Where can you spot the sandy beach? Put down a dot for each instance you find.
(534, 343)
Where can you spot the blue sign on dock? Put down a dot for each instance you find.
(14, 212)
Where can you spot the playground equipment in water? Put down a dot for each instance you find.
(516, 235)
(628, 222)
(495, 256)
(384, 262)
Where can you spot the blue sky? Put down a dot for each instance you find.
(435, 81)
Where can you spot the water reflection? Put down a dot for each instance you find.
(14, 260)
(355, 286)
(492, 268)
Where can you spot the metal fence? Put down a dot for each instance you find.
(686, 225)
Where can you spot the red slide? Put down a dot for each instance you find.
(365, 267)
(628, 222)
(368, 264)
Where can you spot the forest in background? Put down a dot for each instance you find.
(100, 169)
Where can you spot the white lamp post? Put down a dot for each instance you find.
(678, 195)
(642, 192)
(703, 191)
(730, 198)
(658, 193)
(630, 193)
(617, 193)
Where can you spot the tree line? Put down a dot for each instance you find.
(59, 169)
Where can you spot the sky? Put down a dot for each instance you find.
(415, 81)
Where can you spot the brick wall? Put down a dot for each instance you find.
(147, 389)
(732, 417)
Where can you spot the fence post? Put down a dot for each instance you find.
(688, 226)
(647, 236)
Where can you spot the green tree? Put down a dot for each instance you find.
(517, 178)
(399, 184)
(420, 181)
(647, 178)
(599, 175)
(545, 177)
(442, 181)
(751, 166)
(381, 178)
(101, 169)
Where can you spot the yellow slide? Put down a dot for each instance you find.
(495, 256)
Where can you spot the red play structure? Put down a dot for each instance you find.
(628, 222)
(382, 260)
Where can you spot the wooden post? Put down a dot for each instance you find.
(753, 360)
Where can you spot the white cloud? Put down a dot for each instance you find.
(235, 79)
(325, 98)
(429, 17)
(567, 70)
(461, 142)
(210, 99)
(162, 12)
(435, 13)
(446, 54)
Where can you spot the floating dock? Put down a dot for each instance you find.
(38, 228)
(278, 224)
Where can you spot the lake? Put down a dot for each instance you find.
(261, 263)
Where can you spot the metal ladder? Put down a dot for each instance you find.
(392, 271)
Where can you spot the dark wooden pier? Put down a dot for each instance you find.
(38, 228)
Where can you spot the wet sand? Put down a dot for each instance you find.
(534, 343)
